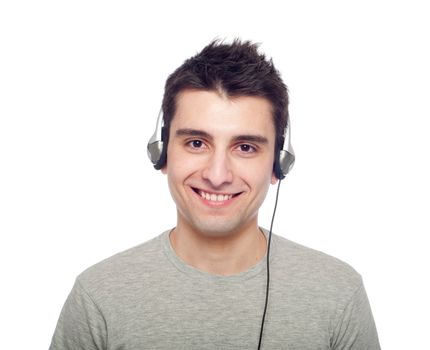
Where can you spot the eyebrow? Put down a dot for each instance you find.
(251, 138)
(193, 132)
(240, 138)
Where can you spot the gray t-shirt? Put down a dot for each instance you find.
(148, 298)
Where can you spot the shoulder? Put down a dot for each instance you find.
(314, 270)
(323, 289)
(122, 269)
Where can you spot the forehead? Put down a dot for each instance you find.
(218, 113)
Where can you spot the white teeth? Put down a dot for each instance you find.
(215, 197)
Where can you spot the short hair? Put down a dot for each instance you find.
(235, 69)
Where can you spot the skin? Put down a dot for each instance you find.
(221, 148)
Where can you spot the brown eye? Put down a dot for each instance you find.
(247, 148)
(196, 143)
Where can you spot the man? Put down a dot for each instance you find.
(202, 284)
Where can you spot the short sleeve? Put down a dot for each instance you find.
(81, 324)
(355, 328)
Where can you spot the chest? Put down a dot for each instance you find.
(209, 317)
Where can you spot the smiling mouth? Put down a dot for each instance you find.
(215, 197)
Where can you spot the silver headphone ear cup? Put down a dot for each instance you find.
(287, 156)
(154, 150)
(286, 161)
(155, 143)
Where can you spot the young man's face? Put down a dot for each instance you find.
(220, 161)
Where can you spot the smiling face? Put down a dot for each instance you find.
(220, 161)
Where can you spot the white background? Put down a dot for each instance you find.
(80, 88)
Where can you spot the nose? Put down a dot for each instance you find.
(218, 170)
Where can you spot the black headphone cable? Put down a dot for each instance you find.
(267, 266)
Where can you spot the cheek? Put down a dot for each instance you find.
(260, 171)
(179, 166)
(257, 179)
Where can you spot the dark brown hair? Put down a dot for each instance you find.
(235, 69)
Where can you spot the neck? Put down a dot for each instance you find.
(228, 254)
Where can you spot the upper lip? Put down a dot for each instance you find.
(196, 189)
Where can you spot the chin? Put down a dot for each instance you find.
(216, 227)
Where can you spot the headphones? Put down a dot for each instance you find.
(284, 160)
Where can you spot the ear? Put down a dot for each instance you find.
(164, 169)
(274, 179)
